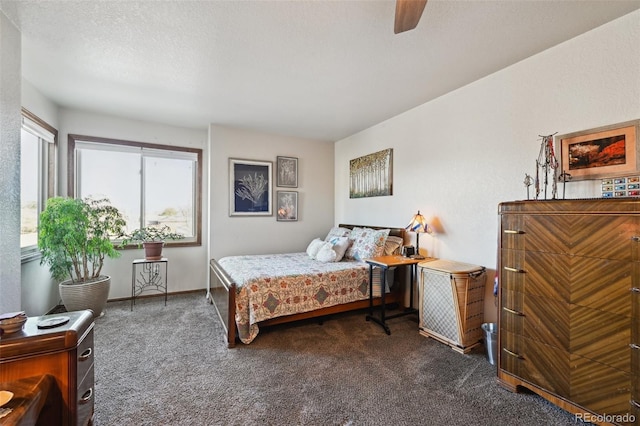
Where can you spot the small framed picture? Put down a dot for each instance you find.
(287, 206)
(287, 172)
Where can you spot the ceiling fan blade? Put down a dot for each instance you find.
(408, 13)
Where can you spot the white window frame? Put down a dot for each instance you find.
(47, 160)
(79, 142)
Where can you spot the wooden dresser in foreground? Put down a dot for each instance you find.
(569, 319)
(64, 352)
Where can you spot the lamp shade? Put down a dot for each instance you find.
(418, 224)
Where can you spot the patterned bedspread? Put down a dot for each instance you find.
(274, 285)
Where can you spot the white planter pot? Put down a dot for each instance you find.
(90, 295)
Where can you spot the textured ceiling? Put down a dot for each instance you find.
(316, 69)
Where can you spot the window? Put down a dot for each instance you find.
(37, 177)
(150, 184)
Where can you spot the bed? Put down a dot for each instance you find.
(250, 292)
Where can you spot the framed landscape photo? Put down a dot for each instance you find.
(371, 175)
(287, 172)
(601, 152)
(287, 206)
(250, 187)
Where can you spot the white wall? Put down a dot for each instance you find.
(457, 157)
(187, 265)
(10, 72)
(39, 104)
(232, 235)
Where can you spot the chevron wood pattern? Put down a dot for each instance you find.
(538, 229)
(576, 263)
(602, 284)
(601, 336)
(609, 396)
(606, 237)
(548, 275)
(547, 367)
(556, 333)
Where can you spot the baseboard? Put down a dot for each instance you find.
(145, 296)
(60, 307)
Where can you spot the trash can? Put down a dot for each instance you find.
(491, 341)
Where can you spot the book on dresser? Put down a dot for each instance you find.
(569, 304)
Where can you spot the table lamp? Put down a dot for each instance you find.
(418, 225)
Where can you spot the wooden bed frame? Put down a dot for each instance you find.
(222, 292)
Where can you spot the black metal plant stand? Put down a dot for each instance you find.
(149, 275)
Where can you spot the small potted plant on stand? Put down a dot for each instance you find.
(74, 237)
(152, 238)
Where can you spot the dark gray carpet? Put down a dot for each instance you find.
(168, 365)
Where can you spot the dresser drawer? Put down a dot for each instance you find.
(537, 311)
(547, 367)
(598, 236)
(611, 395)
(601, 336)
(511, 348)
(512, 312)
(548, 275)
(512, 273)
(512, 232)
(85, 398)
(605, 237)
(602, 284)
(85, 356)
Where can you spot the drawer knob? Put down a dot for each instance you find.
(635, 289)
(513, 354)
(513, 231)
(635, 238)
(634, 346)
(86, 397)
(511, 311)
(508, 268)
(636, 403)
(86, 354)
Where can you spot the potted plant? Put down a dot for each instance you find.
(152, 238)
(74, 237)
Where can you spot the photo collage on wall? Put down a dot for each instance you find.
(621, 187)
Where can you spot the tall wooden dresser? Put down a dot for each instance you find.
(64, 352)
(569, 320)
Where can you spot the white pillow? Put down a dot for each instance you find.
(327, 253)
(340, 246)
(314, 247)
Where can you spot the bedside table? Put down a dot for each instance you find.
(384, 263)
